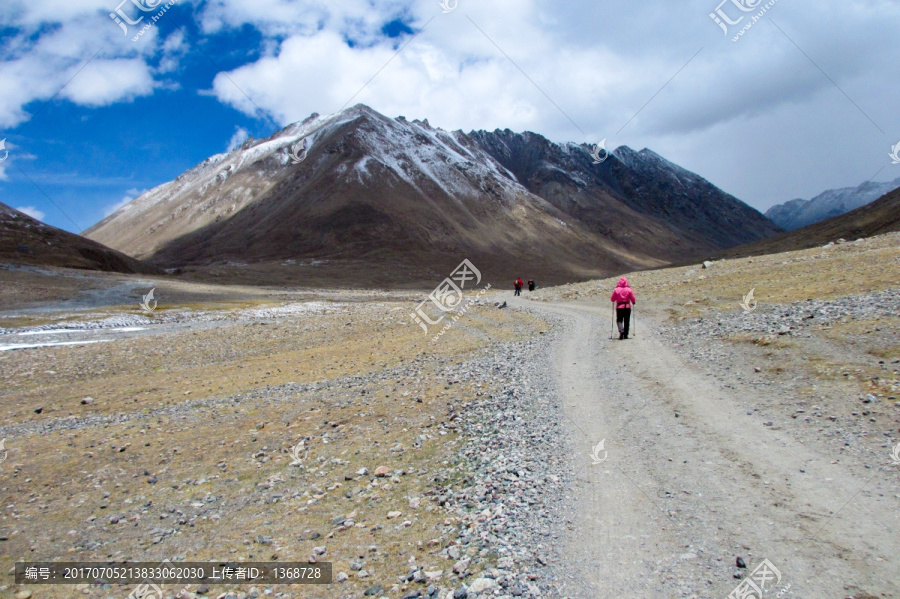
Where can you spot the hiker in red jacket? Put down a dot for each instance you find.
(518, 286)
(624, 298)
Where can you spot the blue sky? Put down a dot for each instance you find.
(80, 161)
(804, 101)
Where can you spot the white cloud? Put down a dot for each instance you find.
(8, 150)
(4, 156)
(240, 136)
(738, 113)
(130, 196)
(32, 212)
(288, 17)
(76, 54)
(37, 12)
(103, 82)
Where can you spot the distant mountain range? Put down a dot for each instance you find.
(876, 218)
(363, 199)
(834, 202)
(24, 240)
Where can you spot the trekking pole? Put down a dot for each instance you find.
(634, 319)
(612, 321)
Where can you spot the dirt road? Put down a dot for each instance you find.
(686, 482)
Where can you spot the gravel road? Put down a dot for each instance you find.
(587, 468)
(686, 482)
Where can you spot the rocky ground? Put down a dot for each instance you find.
(797, 392)
(817, 342)
(247, 424)
(416, 475)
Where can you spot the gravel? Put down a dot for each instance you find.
(794, 319)
(507, 492)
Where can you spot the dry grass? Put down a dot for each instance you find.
(233, 443)
(848, 269)
(773, 341)
(844, 355)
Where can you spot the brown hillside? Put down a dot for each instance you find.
(881, 216)
(24, 240)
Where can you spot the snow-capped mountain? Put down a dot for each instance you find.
(875, 218)
(834, 202)
(639, 199)
(398, 198)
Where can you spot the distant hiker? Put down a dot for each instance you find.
(624, 298)
(518, 285)
(531, 285)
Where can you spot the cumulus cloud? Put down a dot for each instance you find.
(71, 50)
(32, 212)
(278, 18)
(457, 71)
(804, 87)
(130, 196)
(240, 136)
(800, 87)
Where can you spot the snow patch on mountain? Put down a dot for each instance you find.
(413, 150)
(410, 149)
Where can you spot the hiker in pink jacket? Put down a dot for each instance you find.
(624, 298)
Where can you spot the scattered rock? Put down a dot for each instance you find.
(461, 566)
(480, 585)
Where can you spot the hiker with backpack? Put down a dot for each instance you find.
(518, 285)
(531, 285)
(624, 299)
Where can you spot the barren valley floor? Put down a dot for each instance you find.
(246, 424)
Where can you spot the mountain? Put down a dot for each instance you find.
(879, 217)
(391, 202)
(834, 202)
(24, 240)
(639, 199)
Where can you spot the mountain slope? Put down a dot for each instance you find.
(640, 199)
(389, 201)
(388, 198)
(24, 240)
(834, 202)
(876, 218)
